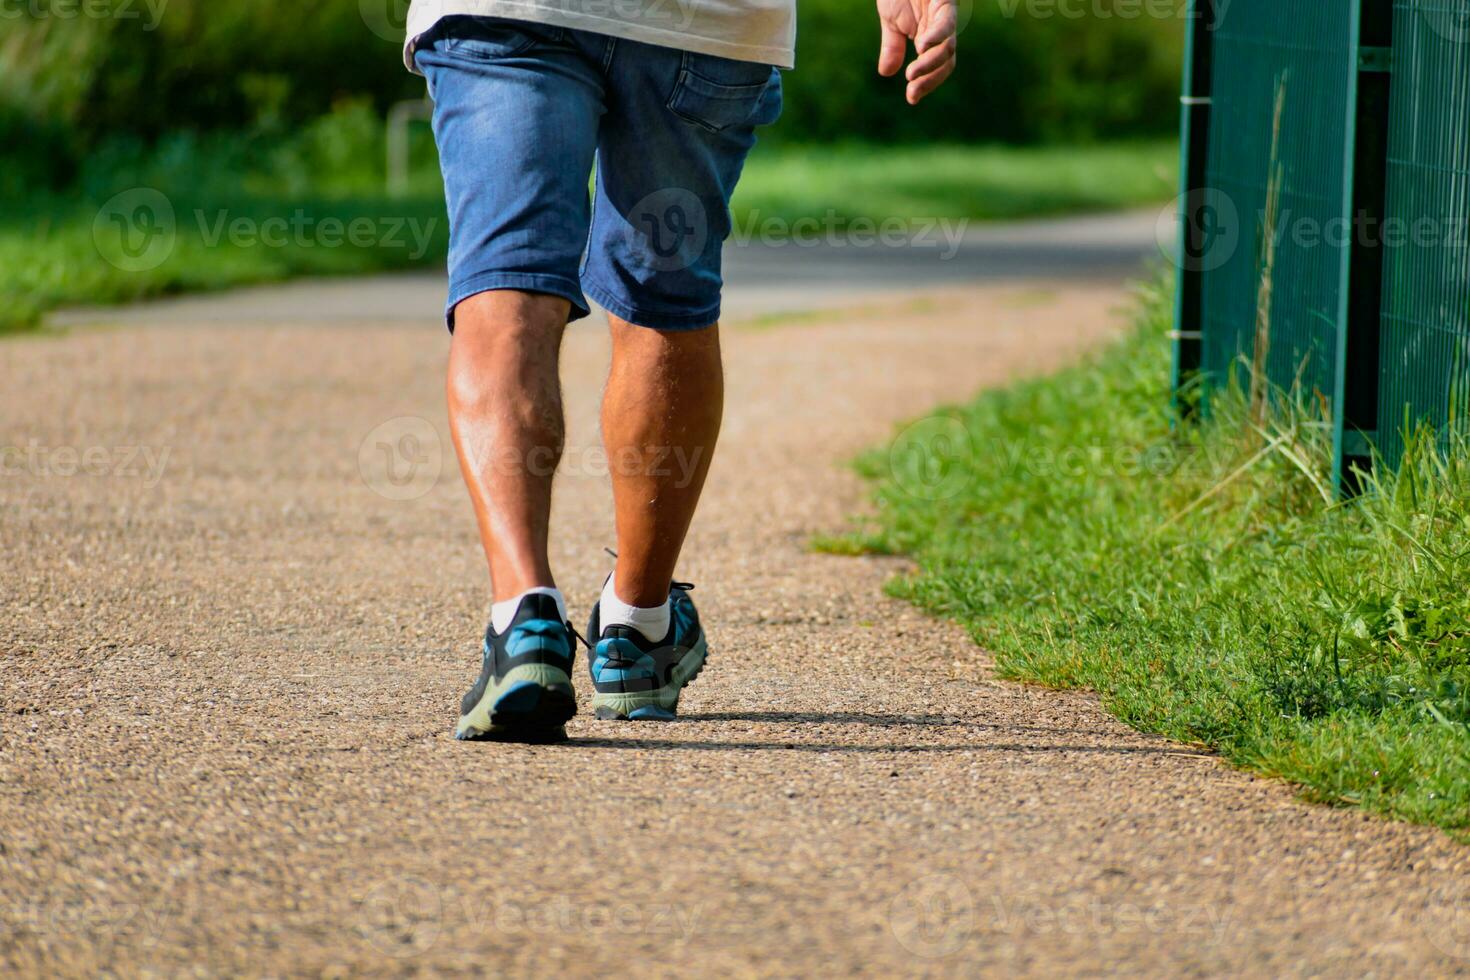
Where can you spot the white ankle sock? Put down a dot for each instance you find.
(652, 623)
(501, 613)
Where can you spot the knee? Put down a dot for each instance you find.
(469, 383)
(505, 344)
(510, 316)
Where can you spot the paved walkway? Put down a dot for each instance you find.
(233, 643)
(767, 277)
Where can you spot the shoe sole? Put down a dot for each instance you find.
(531, 703)
(659, 705)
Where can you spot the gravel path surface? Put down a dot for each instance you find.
(233, 643)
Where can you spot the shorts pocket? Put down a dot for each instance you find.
(717, 93)
(492, 38)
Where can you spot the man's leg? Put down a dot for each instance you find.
(671, 147)
(516, 108)
(506, 418)
(660, 420)
(505, 415)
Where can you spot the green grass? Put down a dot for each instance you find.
(982, 183)
(1202, 580)
(285, 193)
(52, 256)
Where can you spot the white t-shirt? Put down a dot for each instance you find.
(746, 30)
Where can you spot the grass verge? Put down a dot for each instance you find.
(1203, 581)
(242, 211)
(58, 253)
(982, 183)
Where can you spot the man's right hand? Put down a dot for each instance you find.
(931, 25)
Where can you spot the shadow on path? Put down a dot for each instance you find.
(883, 721)
(846, 747)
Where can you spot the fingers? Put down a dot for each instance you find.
(931, 60)
(923, 85)
(943, 26)
(890, 54)
(934, 45)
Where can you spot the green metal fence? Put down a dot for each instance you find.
(1324, 224)
(1425, 360)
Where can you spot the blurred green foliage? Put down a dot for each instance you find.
(73, 85)
(1028, 72)
(258, 108)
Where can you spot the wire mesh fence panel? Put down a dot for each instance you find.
(1272, 294)
(1425, 339)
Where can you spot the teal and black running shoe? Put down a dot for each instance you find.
(637, 679)
(524, 692)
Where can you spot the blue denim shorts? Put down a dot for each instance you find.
(522, 111)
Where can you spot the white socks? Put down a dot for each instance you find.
(652, 623)
(501, 613)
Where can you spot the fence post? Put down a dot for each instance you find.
(1358, 374)
(399, 117)
(1195, 103)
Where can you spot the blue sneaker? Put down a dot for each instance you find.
(524, 692)
(637, 679)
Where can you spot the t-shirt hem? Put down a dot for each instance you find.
(779, 56)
